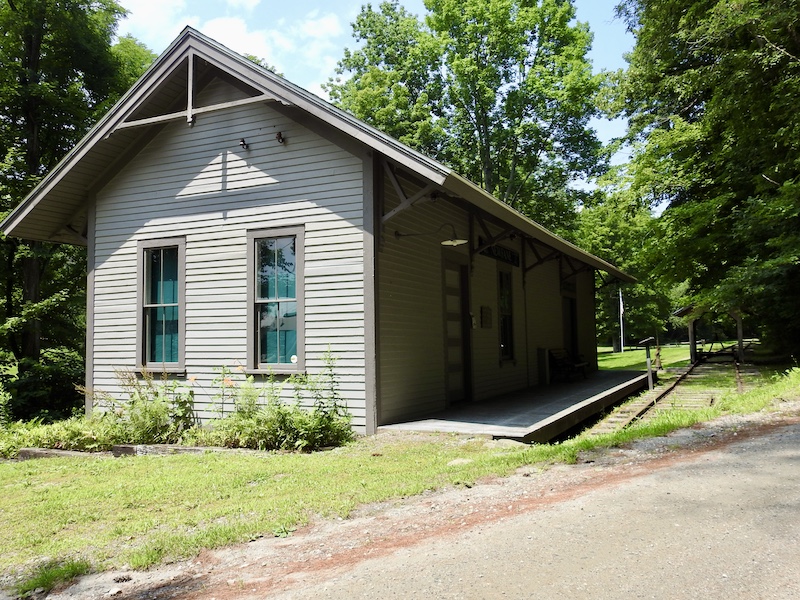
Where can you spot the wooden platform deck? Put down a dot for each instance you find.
(535, 415)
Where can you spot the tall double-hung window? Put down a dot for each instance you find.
(162, 306)
(275, 259)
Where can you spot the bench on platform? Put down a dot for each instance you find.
(564, 366)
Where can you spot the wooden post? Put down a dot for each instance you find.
(621, 323)
(739, 335)
(692, 341)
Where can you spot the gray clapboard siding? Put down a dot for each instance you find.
(317, 196)
(315, 184)
(322, 289)
(493, 377)
(410, 315)
(545, 328)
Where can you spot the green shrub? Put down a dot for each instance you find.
(5, 406)
(277, 426)
(97, 433)
(162, 412)
(260, 420)
(156, 412)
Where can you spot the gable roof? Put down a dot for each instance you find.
(56, 210)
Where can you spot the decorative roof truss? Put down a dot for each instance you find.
(405, 200)
(196, 73)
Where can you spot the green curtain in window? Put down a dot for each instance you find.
(162, 305)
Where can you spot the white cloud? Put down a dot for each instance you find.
(248, 5)
(323, 28)
(305, 46)
(320, 40)
(156, 22)
(233, 33)
(305, 50)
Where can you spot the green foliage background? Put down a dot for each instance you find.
(501, 90)
(60, 72)
(710, 96)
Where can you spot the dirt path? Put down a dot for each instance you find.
(706, 512)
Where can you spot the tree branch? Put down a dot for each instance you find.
(778, 48)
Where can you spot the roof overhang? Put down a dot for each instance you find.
(503, 212)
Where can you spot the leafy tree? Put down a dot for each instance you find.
(711, 91)
(395, 83)
(501, 90)
(620, 229)
(59, 74)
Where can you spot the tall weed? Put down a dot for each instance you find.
(260, 420)
(157, 411)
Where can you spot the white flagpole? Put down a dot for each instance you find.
(621, 324)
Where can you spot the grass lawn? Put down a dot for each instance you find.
(139, 511)
(635, 359)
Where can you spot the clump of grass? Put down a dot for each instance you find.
(780, 387)
(51, 574)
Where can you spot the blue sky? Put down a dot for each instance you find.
(304, 39)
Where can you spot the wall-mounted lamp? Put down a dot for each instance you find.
(454, 240)
(280, 138)
(243, 144)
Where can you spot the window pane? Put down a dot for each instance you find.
(276, 268)
(505, 293)
(169, 280)
(288, 329)
(268, 333)
(162, 334)
(285, 255)
(265, 269)
(153, 276)
(505, 320)
(162, 275)
(506, 337)
(277, 332)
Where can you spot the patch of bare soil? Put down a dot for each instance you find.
(324, 549)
